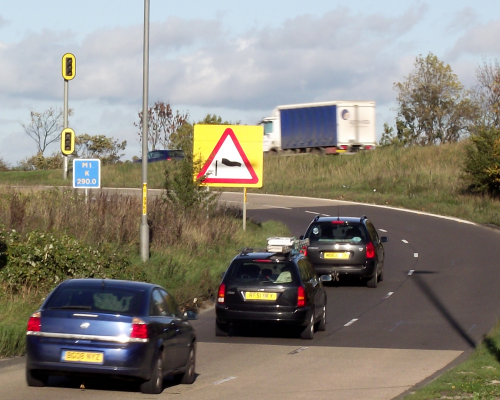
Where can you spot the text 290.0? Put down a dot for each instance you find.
(86, 181)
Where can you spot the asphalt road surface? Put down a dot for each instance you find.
(438, 298)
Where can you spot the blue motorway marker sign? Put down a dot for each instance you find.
(86, 173)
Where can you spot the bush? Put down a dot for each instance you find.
(40, 162)
(42, 260)
(482, 162)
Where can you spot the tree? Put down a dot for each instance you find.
(99, 146)
(162, 123)
(432, 103)
(181, 189)
(401, 138)
(482, 162)
(486, 93)
(44, 128)
(182, 138)
(40, 162)
(3, 165)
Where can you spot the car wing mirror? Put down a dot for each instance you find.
(190, 315)
(326, 278)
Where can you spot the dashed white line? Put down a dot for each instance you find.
(224, 380)
(284, 208)
(388, 295)
(415, 255)
(325, 215)
(311, 212)
(411, 271)
(352, 321)
(405, 241)
(382, 230)
(300, 349)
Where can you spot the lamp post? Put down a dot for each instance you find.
(144, 228)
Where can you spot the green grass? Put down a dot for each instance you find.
(477, 378)
(426, 179)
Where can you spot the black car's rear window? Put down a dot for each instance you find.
(334, 232)
(264, 272)
(106, 299)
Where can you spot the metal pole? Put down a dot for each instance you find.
(245, 209)
(65, 125)
(144, 229)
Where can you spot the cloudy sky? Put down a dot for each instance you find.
(232, 58)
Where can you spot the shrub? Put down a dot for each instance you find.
(42, 260)
(481, 169)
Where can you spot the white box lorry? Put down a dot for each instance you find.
(321, 128)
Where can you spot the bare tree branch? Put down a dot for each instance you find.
(44, 128)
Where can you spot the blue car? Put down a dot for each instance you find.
(163, 155)
(111, 328)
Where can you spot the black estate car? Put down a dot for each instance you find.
(275, 286)
(342, 246)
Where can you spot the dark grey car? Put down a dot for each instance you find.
(346, 246)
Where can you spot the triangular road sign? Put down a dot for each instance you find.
(228, 162)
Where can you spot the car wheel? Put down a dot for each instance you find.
(187, 378)
(221, 329)
(36, 379)
(381, 275)
(322, 321)
(372, 283)
(155, 383)
(308, 331)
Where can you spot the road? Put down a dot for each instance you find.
(439, 297)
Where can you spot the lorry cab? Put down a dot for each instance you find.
(272, 134)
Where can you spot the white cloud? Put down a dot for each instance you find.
(197, 65)
(480, 40)
(462, 19)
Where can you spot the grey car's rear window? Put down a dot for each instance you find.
(334, 232)
(107, 299)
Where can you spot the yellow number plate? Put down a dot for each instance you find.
(82, 356)
(260, 296)
(343, 255)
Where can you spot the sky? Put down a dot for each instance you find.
(235, 59)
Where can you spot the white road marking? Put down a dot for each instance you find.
(298, 350)
(311, 212)
(411, 271)
(382, 230)
(284, 208)
(224, 380)
(325, 215)
(405, 241)
(352, 321)
(388, 295)
(415, 255)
